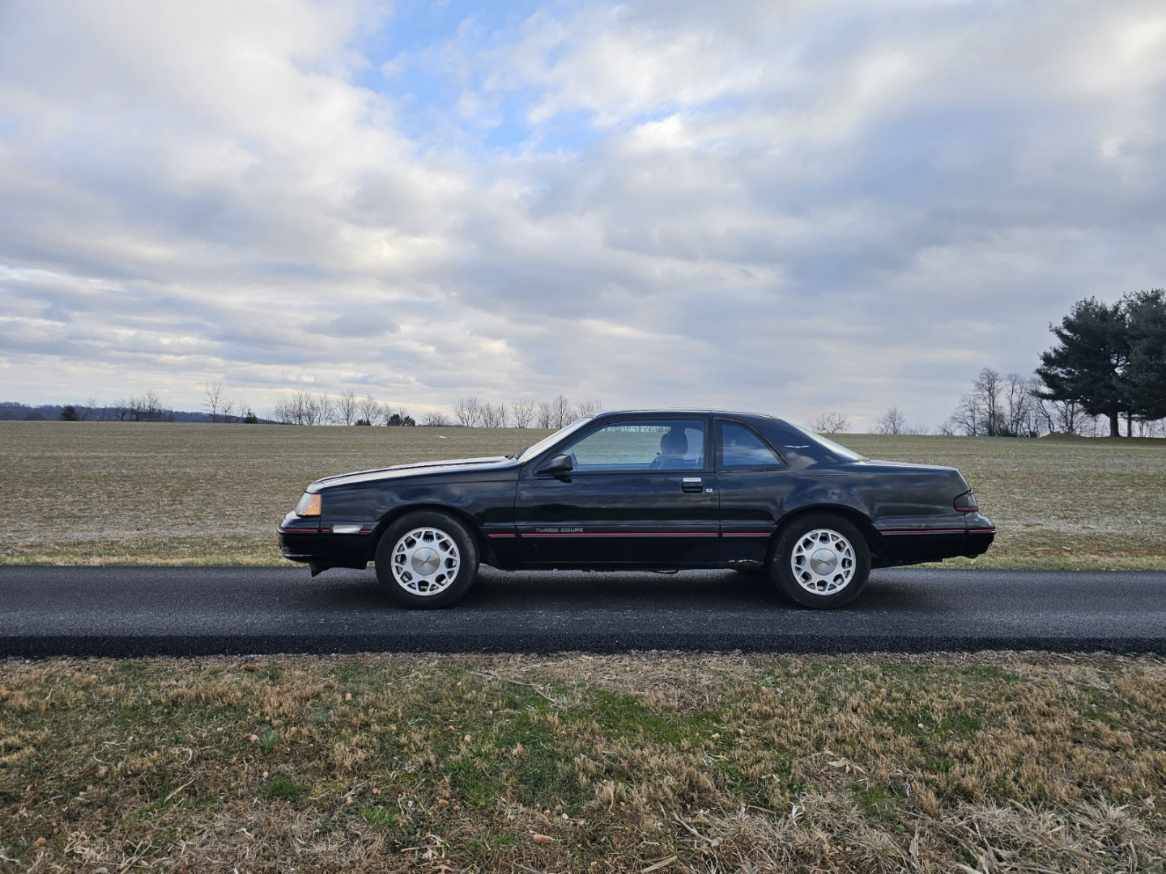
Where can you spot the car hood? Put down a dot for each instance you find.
(420, 468)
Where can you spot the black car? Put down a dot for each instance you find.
(642, 490)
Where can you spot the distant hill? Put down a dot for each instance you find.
(12, 410)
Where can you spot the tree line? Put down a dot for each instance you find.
(322, 408)
(305, 408)
(1108, 363)
(472, 412)
(144, 408)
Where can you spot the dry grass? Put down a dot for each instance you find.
(1004, 762)
(105, 493)
(155, 493)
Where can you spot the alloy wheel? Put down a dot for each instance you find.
(823, 562)
(425, 561)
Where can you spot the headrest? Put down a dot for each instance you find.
(675, 442)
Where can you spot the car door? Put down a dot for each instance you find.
(753, 481)
(641, 493)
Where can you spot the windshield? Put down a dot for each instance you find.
(835, 448)
(531, 451)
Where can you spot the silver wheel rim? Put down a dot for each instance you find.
(823, 562)
(425, 561)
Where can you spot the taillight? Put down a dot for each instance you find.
(966, 503)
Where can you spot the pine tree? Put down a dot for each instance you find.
(1146, 316)
(1088, 365)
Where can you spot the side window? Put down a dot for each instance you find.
(670, 444)
(740, 447)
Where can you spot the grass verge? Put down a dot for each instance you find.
(1000, 762)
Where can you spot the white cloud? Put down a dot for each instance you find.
(791, 208)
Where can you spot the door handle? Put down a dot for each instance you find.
(692, 484)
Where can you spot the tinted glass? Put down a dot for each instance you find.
(667, 444)
(740, 447)
(836, 448)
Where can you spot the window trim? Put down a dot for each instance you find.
(718, 455)
(602, 422)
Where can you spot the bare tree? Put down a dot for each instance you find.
(1042, 412)
(831, 423)
(435, 420)
(492, 415)
(468, 412)
(346, 407)
(213, 399)
(522, 413)
(587, 409)
(304, 408)
(146, 408)
(892, 422)
(326, 407)
(986, 390)
(369, 409)
(546, 415)
(281, 412)
(1016, 415)
(300, 409)
(560, 412)
(967, 416)
(1070, 416)
(293, 409)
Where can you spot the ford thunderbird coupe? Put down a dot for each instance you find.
(642, 490)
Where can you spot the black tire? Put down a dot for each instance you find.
(782, 571)
(464, 576)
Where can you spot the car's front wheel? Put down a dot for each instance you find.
(821, 560)
(427, 560)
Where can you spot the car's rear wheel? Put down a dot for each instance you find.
(427, 560)
(821, 560)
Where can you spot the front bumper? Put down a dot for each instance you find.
(325, 546)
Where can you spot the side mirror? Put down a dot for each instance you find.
(559, 465)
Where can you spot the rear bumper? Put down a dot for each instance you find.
(922, 543)
(977, 540)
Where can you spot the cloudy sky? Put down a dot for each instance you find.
(791, 207)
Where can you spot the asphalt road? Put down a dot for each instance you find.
(200, 611)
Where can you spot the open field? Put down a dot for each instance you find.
(1007, 762)
(112, 493)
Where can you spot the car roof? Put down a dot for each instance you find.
(684, 411)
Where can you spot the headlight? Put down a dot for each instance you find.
(309, 505)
